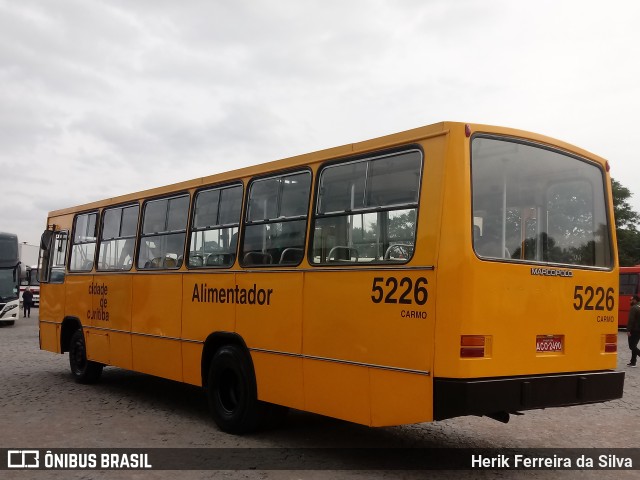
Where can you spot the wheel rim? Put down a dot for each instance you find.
(229, 391)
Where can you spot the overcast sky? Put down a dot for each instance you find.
(103, 98)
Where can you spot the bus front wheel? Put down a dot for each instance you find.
(83, 370)
(232, 391)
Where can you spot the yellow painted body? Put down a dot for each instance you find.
(320, 343)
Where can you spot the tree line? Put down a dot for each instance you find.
(626, 226)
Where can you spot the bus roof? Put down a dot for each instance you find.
(387, 141)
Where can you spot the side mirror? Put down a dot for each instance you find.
(45, 240)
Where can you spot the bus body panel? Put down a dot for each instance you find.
(378, 322)
(111, 301)
(337, 390)
(97, 343)
(156, 325)
(159, 356)
(50, 336)
(495, 306)
(78, 301)
(200, 314)
(361, 317)
(269, 310)
(120, 354)
(513, 306)
(364, 345)
(400, 398)
(157, 307)
(191, 361)
(280, 378)
(52, 303)
(373, 344)
(110, 296)
(513, 303)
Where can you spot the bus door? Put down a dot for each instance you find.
(51, 267)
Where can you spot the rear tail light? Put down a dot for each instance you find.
(473, 346)
(610, 343)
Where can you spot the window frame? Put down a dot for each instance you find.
(73, 242)
(558, 151)
(278, 220)
(46, 264)
(192, 229)
(101, 239)
(141, 235)
(369, 157)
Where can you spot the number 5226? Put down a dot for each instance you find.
(590, 298)
(402, 291)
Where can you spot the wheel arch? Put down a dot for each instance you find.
(211, 345)
(69, 325)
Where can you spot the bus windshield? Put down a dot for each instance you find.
(7, 284)
(534, 204)
(9, 263)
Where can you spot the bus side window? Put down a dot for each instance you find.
(276, 220)
(59, 255)
(84, 242)
(163, 233)
(215, 225)
(117, 238)
(367, 209)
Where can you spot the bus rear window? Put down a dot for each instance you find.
(535, 204)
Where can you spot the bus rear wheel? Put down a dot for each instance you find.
(232, 391)
(83, 370)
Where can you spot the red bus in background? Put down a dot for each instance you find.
(629, 285)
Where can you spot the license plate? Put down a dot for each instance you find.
(549, 343)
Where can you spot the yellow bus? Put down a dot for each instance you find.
(453, 269)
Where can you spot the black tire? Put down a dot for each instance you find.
(83, 370)
(232, 391)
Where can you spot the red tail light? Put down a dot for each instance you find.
(610, 343)
(472, 346)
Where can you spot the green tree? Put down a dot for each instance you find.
(626, 225)
(626, 217)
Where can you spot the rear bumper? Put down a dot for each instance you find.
(456, 397)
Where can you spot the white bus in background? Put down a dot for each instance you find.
(29, 272)
(9, 278)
